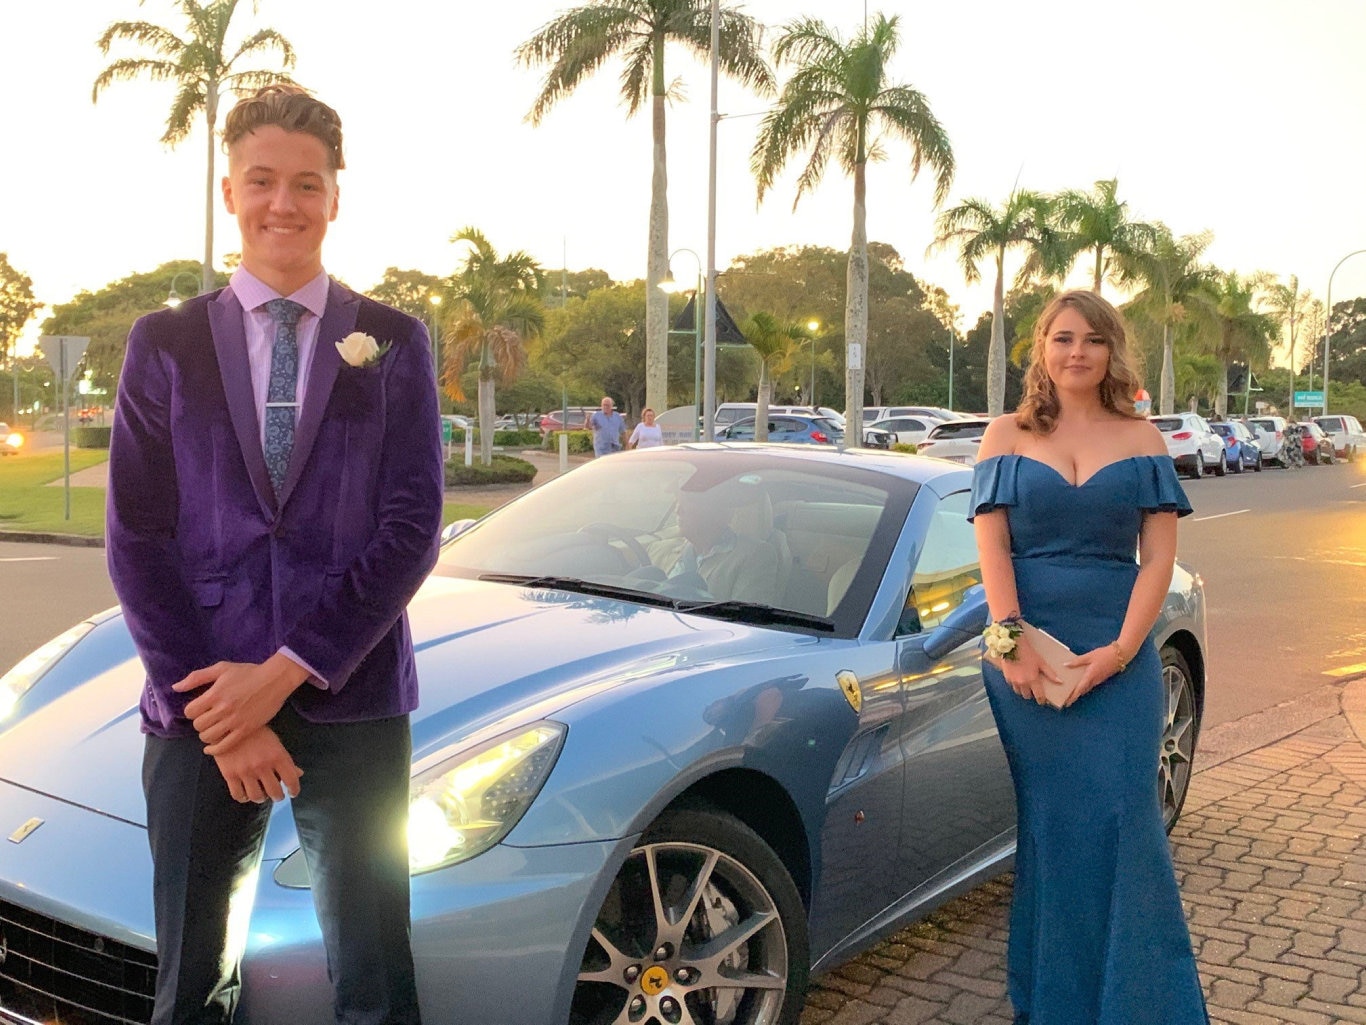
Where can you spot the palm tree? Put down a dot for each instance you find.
(983, 231)
(1239, 332)
(497, 309)
(1098, 223)
(1289, 307)
(777, 345)
(203, 70)
(839, 103)
(1170, 273)
(580, 41)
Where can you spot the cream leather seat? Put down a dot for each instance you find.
(755, 521)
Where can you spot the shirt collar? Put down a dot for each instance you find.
(253, 293)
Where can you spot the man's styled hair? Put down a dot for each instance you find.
(292, 108)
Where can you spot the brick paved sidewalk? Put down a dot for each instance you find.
(1270, 855)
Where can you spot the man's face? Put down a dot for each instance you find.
(284, 194)
(606, 407)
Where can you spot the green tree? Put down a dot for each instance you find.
(496, 309)
(839, 103)
(777, 344)
(411, 291)
(1169, 274)
(1097, 222)
(203, 66)
(1288, 306)
(106, 316)
(17, 307)
(579, 41)
(559, 286)
(982, 232)
(1199, 379)
(1238, 332)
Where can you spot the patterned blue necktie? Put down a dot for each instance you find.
(280, 398)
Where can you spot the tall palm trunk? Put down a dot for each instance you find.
(996, 354)
(856, 312)
(211, 119)
(486, 404)
(765, 397)
(1166, 404)
(657, 264)
(1100, 264)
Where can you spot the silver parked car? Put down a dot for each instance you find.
(1192, 444)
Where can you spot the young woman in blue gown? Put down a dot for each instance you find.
(1065, 491)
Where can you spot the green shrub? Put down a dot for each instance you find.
(580, 442)
(504, 470)
(903, 447)
(503, 439)
(91, 437)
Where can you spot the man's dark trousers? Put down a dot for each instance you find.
(351, 815)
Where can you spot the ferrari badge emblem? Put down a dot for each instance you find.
(849, 684)
(22, 833)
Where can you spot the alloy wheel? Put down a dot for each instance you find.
(1178, 736)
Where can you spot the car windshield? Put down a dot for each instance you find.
(736, 534)
(1168, 424)
(1225, 430)
(945, 432)
(1330, 423)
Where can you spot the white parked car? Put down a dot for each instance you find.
(1270, 431)
(955, 440)
(1348, 438)
(1193, 446)
(907, 430)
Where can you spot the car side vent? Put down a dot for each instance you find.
(859, 756)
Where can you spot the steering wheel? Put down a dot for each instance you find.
(613, 532)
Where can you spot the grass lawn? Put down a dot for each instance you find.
(28, 500)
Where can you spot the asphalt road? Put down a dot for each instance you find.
(1282, 554)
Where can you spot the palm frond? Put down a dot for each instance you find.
(578, 43)
(128, 68)
(143, 33)
(264, 41)
(908, 113)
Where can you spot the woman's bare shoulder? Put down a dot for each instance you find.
(1145, 438)
(1000, 438)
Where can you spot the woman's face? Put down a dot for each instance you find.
(649, 417)
(1076, 356)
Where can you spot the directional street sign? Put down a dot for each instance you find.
(1309, 399)
(63, 352)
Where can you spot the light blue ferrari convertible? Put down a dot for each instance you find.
(695, 723)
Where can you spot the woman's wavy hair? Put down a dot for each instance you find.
(1038, 410)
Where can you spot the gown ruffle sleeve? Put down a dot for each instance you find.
(1158, 488)
(994, 484)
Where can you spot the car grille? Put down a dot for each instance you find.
(52, 972)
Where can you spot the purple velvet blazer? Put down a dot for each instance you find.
(210, 564)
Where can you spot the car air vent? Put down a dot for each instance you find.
(859, 756)
(54, 972)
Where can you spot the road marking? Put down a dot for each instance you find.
(1219, 516)
(31, 558)
(1351, 486)
(1360, 667)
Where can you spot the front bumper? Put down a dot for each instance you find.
(496, 940)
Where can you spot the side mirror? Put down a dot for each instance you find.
(961, 625)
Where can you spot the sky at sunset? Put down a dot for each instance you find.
(1245, 118)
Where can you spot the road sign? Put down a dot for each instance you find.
(1309, 399)
(63, 352)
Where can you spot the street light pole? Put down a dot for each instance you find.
(952, 340)
(709, 339)
(1327, 325)
(173, 300)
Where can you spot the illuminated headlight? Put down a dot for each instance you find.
(463, 806)
(14, 440)
(20, 680)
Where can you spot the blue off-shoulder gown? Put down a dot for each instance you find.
(1097, 932)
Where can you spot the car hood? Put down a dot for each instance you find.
(486, 653)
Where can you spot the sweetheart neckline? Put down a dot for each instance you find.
(1058, 473)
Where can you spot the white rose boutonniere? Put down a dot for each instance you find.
(1001, 639)
(360, 350)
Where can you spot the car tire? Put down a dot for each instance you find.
(1180, 732)
(1257, 466)
(1329, 457)
(1221, 467)
(619, 975)
(1198, 468)
(1237, 465)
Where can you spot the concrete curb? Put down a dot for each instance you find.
(1354, 706)
(39, 537)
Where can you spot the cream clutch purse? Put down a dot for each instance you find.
(1055, 654)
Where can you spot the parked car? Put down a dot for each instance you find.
(1194, 448)
(729, 412)
(787, 428)
(1349, 439)
(575, 416)
(1275, 427)
(1318, 447)
(907, 430)
(1241, 451)
(955, 440)
(876, 437)
(886, 412)
(613, 773)
(11, 441)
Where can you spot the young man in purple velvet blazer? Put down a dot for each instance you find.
(275, 501)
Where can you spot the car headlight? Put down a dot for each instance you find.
(14, 440)
(20, 680)
(465, 804)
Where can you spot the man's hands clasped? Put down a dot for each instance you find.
(231, 716)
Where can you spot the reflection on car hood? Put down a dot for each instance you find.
(485, 651)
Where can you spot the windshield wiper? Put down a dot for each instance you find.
(758, 614)
(580, 586)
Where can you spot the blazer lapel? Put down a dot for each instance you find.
(230, 344)
(339, 320)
